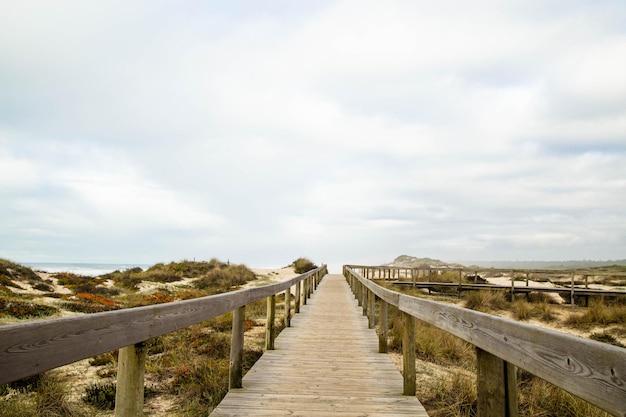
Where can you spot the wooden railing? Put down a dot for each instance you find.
(31, 348)
(593, 371)
(411, 276)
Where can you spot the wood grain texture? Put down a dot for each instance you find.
(593, 371)
(326, 364)
(30, 348)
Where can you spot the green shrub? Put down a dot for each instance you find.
(100, 395)
(302, 265)
(85, 307)
(102, 359)
(43, 395)
(43, 287)
(223, 279)
(22, 309)
(13, 271)
(606, 337)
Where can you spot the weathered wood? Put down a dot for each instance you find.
(235, 371)
(408, 354)
(297, 301)
(269, 328)
(131, 366)
(288, 307)
(365, 302)
(593, 371)
(34, 347)
(383, 326)
(371, 310)
(323, 366)
(496, 386)
(560, 290)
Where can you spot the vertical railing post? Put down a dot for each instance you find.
(297, 300)
(288, 307)
(408, 354)
(496, 386)
(364, 302)
(371, 310)
(571, 296)
(271, 316)
(131, 367)
(512, 286)
(383, 326)
(235, 372)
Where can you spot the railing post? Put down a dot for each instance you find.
(571, 295)
(297, 300)
(271, 316)
(408, 354)
(235, 372)
(288, 307)
(383, 326)
(131, 367)
(512, 286)
(371, 310)
(305, 290)
(496, 386)
(364, 301)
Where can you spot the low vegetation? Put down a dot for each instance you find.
(189, 367)
(302, 265)
(450, 387)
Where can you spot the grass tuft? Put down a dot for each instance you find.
(302, 265)
(486, 301)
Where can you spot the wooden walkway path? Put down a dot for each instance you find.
(326, 364)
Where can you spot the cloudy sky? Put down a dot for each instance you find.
(344, 131)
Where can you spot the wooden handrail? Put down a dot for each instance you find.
(34, 347)
(591, 370)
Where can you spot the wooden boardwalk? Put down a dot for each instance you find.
(326, 364)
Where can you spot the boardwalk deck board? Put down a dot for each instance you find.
(326, 364)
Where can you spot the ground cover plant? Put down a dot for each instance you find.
(447, 382)
(187, 369)
(302, 265)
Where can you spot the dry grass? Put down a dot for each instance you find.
(188, 368)
(540, 398)
(486, 301)
(598, 314)
(454, 393)
(47, 397)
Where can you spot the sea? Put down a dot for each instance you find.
(86, 269)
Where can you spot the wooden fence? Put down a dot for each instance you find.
(593, 371)
(31, 348)
(412, 277)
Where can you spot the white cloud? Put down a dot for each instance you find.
(384, 127)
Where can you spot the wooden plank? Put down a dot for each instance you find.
(496, 386)
(326, 364)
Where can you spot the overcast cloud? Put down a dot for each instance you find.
(344, 131)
